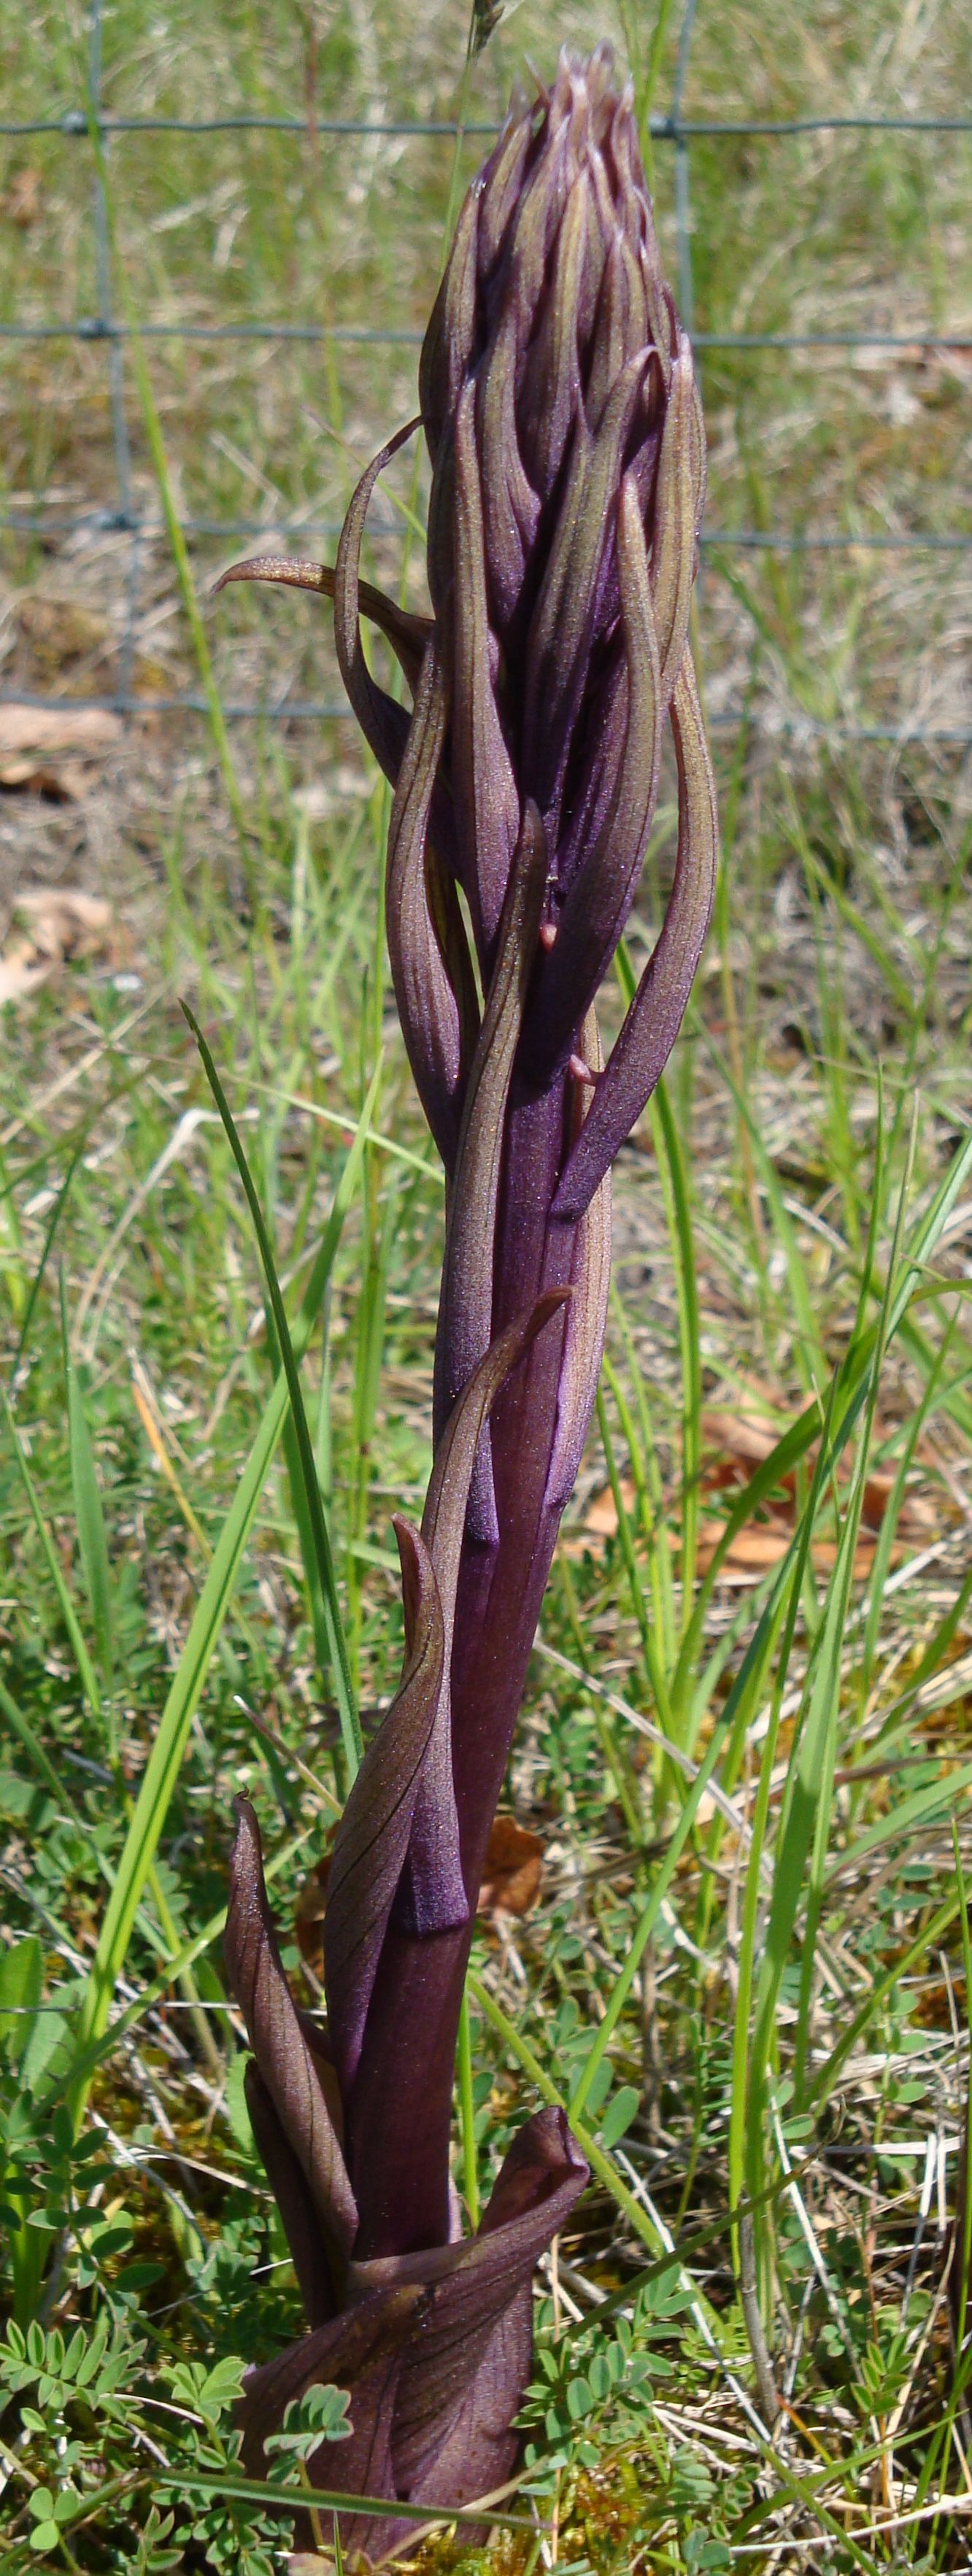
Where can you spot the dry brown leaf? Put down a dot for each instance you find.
(764, 1544)
(50, 729)
(20, 972)
(62, 923)
(740, 1441)
(750, 1437)
(66, 922)
(22, 202)
(514, 1868)
(743, 1440)
(917, 1518)
(601, 1516)
(25, 777)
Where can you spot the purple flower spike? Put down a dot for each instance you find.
(562, 420)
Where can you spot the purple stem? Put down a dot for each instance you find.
(398, 2115)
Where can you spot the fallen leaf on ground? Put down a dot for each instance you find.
(514, 1867)
(61, 923)
(743, 1440)
(21, 776)
(761, 1545)
(601, 1516)
(20, 972)
(737, 1443)
(22, 202)
(51, 729)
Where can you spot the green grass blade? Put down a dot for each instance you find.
(752, 1664)
(671, 1165)
(86, 1670)
(653, 1664)
(808, 1794)
(823, 2082)
(88, 1511)
(351, 1736)
(902, 1819)
(47, 1247)
(740, 2083)
(174, 1969)
(646, 1474)
(601, 2164)
(32, 1745)
(165, 1759)
(853, 1385)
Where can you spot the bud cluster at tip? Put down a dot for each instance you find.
(563, 422)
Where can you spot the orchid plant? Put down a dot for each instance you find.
(563, 424)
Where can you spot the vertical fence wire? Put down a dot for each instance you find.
(127, 518)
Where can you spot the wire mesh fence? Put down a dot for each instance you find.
(132, 515)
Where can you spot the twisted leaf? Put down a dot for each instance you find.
(407, 634)
(427, 1005)
(384, 725)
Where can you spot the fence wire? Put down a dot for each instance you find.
(80, 124)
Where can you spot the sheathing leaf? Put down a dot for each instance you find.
(433, 1896)
(291, 2191)
(373, 1836)
(466, 1303)
(469, 2289)
(281, 2047)
(360, 2351)
(586, 1318)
